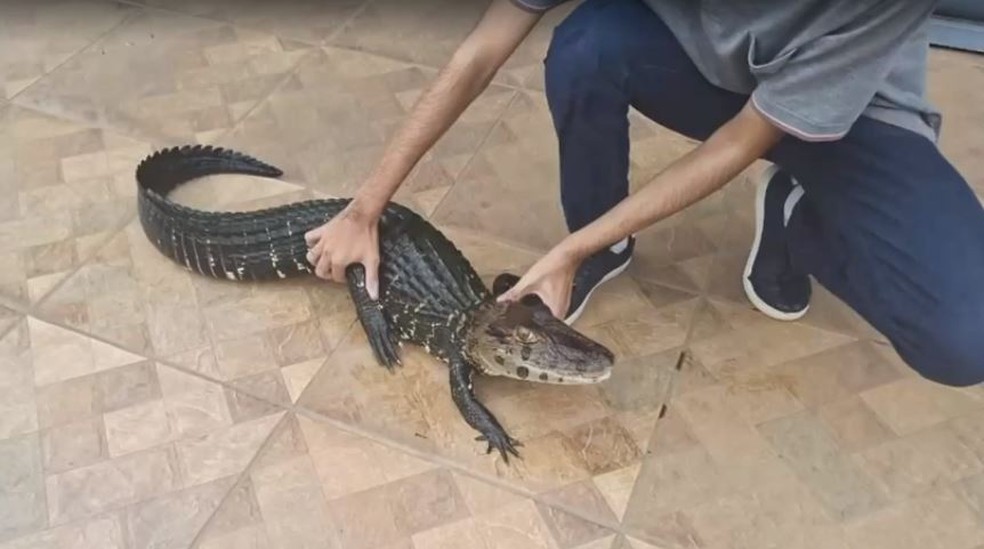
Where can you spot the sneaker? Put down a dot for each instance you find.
(595, 271)
(771, 283)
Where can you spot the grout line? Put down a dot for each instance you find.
(13, 325)
(488, 134)
(262, 101)
(153, 358)
(125, 20)
(241, 480)
(343, 26)
(33, 310)
(450, 464)
(35, 307)
(316, 48)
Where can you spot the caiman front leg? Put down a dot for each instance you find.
(382, 340)
(475, 413)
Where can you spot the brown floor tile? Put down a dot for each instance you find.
(526, 66)
(309, 21)
(806, 452)
(912, 404)
(36, 38)
(570, 433)
(725, 488)
(167, 77)
(330, 124)
(430, 33)
(22, 503)
(67, 188)
(520, 160)
(910, 466)
(116, 447)
(512, 180)
(953, 83)
(317, 486)
(8, 317)
(102, 532)
(425, 32)
(245, 334)
(939, 519)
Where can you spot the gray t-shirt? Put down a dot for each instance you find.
(812, 66)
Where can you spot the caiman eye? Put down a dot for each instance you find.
(525, 334)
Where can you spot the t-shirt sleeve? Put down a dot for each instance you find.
(816, 91)
(538, 6)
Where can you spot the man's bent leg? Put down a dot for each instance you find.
(606, 56)
(889, 226)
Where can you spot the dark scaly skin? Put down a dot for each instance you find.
(429, 293)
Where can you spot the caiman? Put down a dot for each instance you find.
(429, 293)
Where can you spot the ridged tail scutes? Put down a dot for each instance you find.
(255, 245)
(164, 170)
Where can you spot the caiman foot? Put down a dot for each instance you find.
(476, 414)
(383, 341)
(498, 439)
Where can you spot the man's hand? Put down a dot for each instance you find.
(350, 237)
(551, 279)
(702, 171)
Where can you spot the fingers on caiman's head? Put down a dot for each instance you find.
(503, 283)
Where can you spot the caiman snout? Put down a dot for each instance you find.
(525, 341)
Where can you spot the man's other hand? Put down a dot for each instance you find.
(350, 237)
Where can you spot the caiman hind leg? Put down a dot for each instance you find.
(475, 413)
(383, 341)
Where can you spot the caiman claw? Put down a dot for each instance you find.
(497, 439)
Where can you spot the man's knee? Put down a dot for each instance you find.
(953, 346)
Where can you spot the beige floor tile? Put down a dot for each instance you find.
(807, 452)
(426, 32)
(512, 179)
(243, 334)
(167, 77)
(310, 21)
(22, 502)
(913, 404)
(953, 80)
(430, 33)
(8, 317)
(330, 124)
(120, 450)
(520, 160)
(67, 188)
(36, 38)
(910, 466)
(811, 434)
(317, 486)
(721, 485)
(570, 433)
(526, 66)
(939, 519)
(101, 532)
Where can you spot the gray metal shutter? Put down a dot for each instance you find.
(959, 24)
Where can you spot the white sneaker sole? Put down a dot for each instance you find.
(762, 306)
(577, 313)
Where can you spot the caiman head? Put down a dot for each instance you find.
(523, 340)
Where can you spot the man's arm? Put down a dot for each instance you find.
(351, 237)
(699, 173)
(469, 72)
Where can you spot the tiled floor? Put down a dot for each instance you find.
(142, 407)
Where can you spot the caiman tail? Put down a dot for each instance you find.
(265, 244)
